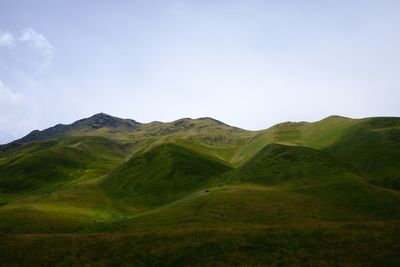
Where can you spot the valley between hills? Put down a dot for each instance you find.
(106, 191)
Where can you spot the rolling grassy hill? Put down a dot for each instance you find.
(370, 146)
(111, 191)
(162, 175)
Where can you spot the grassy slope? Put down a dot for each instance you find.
(46, 184)
(161, 175)
(280, 164)
(282, 205)
(280, 185)
(48, 163)
(370, 146)
(205, 136)
(311, 219)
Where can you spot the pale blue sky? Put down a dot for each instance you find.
(248, 63)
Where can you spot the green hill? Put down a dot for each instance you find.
(370, 146)
(317, 174)
(161, 175)
(280, 164)
(38, 166)
(108, 191)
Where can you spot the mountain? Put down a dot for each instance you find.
(199, 190)
(81, 127)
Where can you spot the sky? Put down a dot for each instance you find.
(249, 63)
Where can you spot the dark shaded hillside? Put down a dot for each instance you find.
(163, 174)
(43, 165)
(317, 174)
(373, 148)
(276, 164)
(370, 146)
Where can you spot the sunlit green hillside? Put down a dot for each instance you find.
(110, 191)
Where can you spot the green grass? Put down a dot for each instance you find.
(276, 164)
(369, 146)
(374, 244)
(161, 175)
(199, 192)
(46, 164)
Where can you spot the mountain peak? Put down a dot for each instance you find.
(97, 121)
(101, 115)
(211, 119)
(336, 117)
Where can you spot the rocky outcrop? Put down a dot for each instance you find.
(97, 121)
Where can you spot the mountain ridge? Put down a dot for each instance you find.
(206, 189)
(96, 121)
(103, 120)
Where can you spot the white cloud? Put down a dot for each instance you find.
(17, 114)
(29, 54)
(37, 40)
(7, 96)
(32, 52)
(40, 43)
(6, 39)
